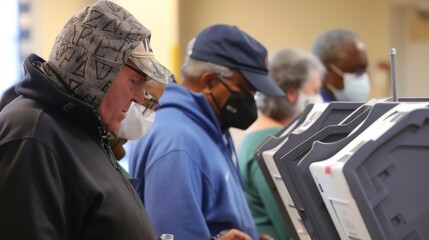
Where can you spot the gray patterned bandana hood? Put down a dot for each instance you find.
(92, 47)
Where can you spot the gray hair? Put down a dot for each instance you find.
(192, 69)
(288, 68)
(331, 44)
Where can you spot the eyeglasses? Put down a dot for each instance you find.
(223, 82)
(144, 75)
(150, 104)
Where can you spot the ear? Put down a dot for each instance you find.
(292, 95)
(207, 81)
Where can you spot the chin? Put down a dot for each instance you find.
(112, 124)
(111, 127)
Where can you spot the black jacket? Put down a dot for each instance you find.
(58, 179)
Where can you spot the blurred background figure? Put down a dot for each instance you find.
(299, 75)
(344, 55)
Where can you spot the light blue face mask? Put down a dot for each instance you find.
(356, 87)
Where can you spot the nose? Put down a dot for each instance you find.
(139, 95)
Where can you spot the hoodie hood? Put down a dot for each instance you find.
(36, 85)
(191, 104)
(91, 48)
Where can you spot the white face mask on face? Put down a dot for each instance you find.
(356, 87)
(304, 99)
(135, 124)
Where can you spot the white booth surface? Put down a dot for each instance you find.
(373, 188)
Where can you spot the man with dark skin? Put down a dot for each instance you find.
(344, 55)
(193, 154)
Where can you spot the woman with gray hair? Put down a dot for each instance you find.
(299, 75)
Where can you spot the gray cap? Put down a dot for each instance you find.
(92, 47)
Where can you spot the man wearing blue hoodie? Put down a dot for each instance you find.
(186, 164)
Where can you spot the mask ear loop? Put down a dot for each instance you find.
(213, 98)
(222, 81)
(336, 69)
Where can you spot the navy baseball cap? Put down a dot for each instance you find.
(230, 47)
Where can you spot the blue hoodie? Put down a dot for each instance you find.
(188, 181)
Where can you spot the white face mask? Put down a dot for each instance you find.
(356, 87)
(135, 124)
(304, 99)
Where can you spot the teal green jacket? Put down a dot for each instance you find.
(261, 201)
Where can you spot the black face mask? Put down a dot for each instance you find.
(239, 110)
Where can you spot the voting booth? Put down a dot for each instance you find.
(353, 171)
(314, 118)
(355, 175)
(373, 188)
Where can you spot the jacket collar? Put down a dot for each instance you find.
(37, 86)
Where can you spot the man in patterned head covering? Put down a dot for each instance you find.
(58, 178)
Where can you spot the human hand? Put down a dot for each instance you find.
(265, 237)
(234, 234)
